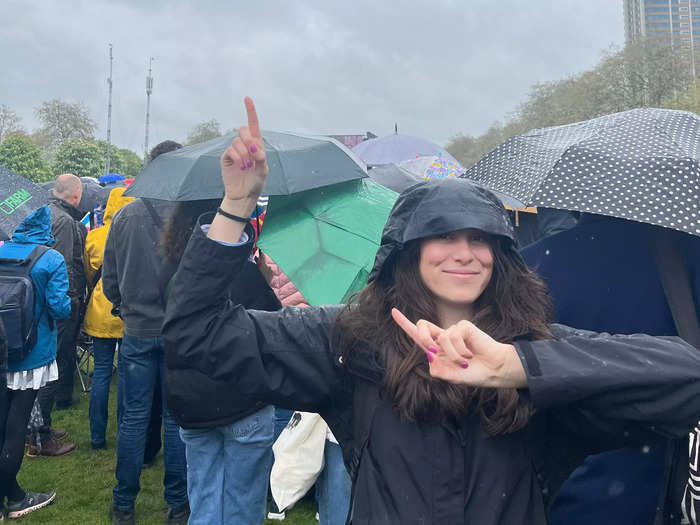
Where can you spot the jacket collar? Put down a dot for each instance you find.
(68, 208)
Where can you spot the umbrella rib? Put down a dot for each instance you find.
(343, 228)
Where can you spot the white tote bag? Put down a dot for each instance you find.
(298, 458)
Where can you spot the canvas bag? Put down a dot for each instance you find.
(298, 458)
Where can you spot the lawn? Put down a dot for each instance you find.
(83, 479)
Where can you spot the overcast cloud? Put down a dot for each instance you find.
(437, 67)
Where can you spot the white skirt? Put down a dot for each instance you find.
(32, 379)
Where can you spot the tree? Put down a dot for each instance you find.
(647, 72)
(18, 154)
(204, 131)
(63, 121)
(9, 122)
(82, 157)
(131, 163)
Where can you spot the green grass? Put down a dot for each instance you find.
(83, 479)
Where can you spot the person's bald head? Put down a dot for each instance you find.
(68, 188)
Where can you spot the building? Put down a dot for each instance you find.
(677, 21)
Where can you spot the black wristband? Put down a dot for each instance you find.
(231, 215)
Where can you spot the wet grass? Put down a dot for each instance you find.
(83, 479)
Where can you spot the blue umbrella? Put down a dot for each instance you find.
(394, 149)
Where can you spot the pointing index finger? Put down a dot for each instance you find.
(253, 124)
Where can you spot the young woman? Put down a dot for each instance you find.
(228, 444)
(26, 377)
(453, 399)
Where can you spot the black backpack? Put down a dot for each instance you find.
(17, 295)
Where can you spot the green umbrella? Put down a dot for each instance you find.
(325, 239)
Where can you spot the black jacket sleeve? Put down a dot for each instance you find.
(281, 357)
(613, 390)
(110, 278)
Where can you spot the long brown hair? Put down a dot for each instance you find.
(178, 227)
(515, 304)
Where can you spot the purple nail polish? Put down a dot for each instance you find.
(250, 163)
(430, 357)
(253, 148)
(433, 349)
(243, 167)
(465, 365)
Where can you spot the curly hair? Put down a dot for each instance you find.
(164, 147)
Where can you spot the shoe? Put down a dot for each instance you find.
(31, 502)
(280, 515)
(122, 517)
(99, 446)
(179, 515)
(58, 433)
(51, 448)
(65, 405)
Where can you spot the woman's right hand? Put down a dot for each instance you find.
(244, 164)
(243, 172)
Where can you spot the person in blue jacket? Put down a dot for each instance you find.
(24, 378)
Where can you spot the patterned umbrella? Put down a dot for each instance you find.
(433, 167)
(19, 197)
(641, 165)
(394, 149)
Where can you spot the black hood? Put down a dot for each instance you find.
(435, 207)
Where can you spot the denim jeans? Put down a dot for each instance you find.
(103, 352)
(282, 417)
(141, 365)
(333, 488)
(228, 470)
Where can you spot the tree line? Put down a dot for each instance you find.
(645, 73)
(65, 143)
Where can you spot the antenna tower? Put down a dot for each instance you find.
(149, 90)
(109, 115)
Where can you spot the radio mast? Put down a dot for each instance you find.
(149, 90)
(109, 115)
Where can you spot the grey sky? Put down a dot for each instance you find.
(437, 67)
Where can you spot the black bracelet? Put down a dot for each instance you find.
(231, 215)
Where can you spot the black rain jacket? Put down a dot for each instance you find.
(590, 392)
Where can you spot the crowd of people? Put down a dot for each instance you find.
(448, 394)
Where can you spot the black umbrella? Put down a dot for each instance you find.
(642, 165)
(393, 177)
(94, 195)
(19, 197)
(296, 162)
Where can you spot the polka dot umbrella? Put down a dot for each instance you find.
(641, 165)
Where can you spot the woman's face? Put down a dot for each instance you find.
(457, 266)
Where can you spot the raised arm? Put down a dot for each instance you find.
(279, 357)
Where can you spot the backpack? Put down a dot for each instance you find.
(17, 295)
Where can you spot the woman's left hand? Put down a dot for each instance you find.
(463, 354)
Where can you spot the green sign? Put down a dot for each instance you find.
(15, 201)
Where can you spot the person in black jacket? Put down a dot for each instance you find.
(228, 444)
(453, 399)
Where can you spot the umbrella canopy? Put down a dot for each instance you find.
(341, 226)
(296, 162)
(393, 177)
(642, 165)
(19, 197)
(395, 149)
(433, 167)
(94, 195)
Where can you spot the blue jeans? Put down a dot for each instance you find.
(141, 365)
(103, 352)
(333, 487)
(282, 417)
(228, 470)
